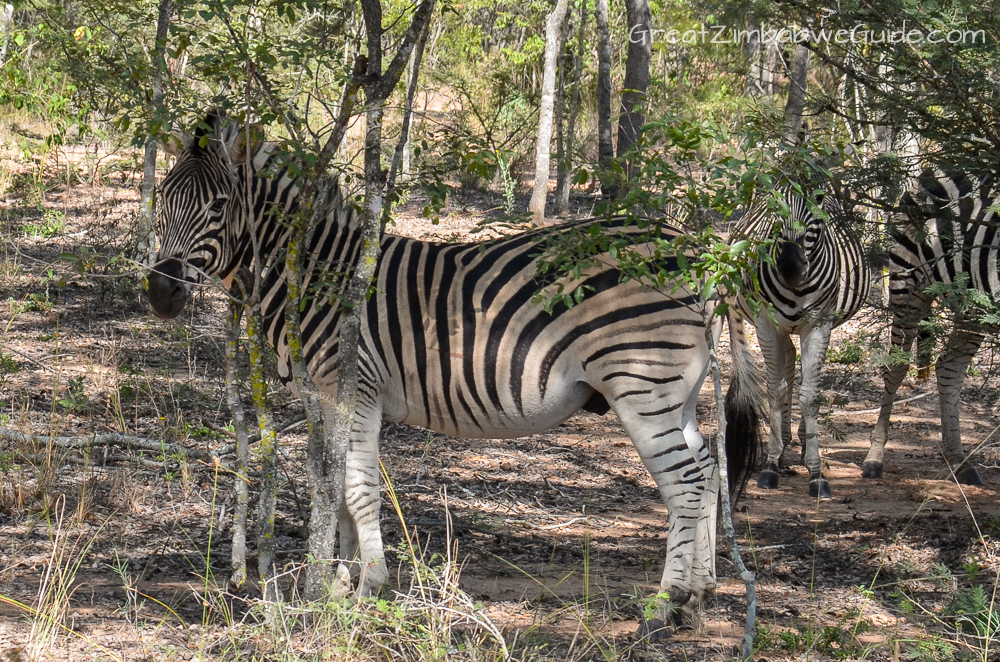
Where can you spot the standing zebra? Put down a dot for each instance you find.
(819, 279)
(949, 236)
(451, 341)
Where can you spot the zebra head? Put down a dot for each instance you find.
(799, 235)
(201, 226)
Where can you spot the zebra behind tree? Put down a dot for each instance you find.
(452, 341)
(819, 279)
(946, 235)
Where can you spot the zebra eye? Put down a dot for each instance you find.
(218, 206)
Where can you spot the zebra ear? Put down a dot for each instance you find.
(174, 144)
(244, 146)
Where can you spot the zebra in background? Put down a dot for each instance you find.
(818, 280)
(948, 235)
(451, 341)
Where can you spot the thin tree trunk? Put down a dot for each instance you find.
(147, 200)
(564, 185)
(553, 25)
(640, 53)
(796, 92)
(239, 554)
(605, 144)
(330, 463)
(7, 18)
(754, 50)
(562, 64)
(267, 451)
(747, 575)
(404, 135)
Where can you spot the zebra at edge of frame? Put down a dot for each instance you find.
(947, 232)
(819, 279)
(452, 341)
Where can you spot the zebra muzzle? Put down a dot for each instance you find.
(166, 289)
(791, 263)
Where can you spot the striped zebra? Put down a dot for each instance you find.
(819, 279)
(948, 235)
(451, 341)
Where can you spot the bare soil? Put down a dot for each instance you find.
(554, 531)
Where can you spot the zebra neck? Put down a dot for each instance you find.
(332, 240)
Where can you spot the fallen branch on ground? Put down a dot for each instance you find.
(133, 443)
(106, 439)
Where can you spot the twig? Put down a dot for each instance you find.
(295, 420)
(846, 412)
(562, 524)
(25, 356)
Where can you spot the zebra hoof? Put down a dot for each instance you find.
(653, 631)
(970, 477)
(871, 470)
(820, 488)
(768, 479)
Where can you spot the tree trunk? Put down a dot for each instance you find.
(267, 452)
(796, 93)
(640, 53)
(330, 462)
(553, 27)
(748, 576)
(401, 155)
(147, 201)
(559, 106)
(605, 144)
(238, 558)
(7, 18)
(565, 173)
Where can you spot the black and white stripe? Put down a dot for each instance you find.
(819, 279)
(451, 341)
(947, 233)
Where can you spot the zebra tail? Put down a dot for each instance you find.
(744, 410)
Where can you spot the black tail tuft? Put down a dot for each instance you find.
(744, 412)
(743, 438)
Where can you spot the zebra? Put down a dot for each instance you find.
(452, 341)
(948, 236)
(819, 279)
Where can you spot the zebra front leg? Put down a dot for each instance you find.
(951, 370)
(779, 357)
(361, 555)
(363, 501)
(814, 345)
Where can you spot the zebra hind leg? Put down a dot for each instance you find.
(779, 357)
(665, 434)
(951, 370)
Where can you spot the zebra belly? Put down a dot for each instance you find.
(561, 401)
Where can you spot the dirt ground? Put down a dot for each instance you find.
(552, 531)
